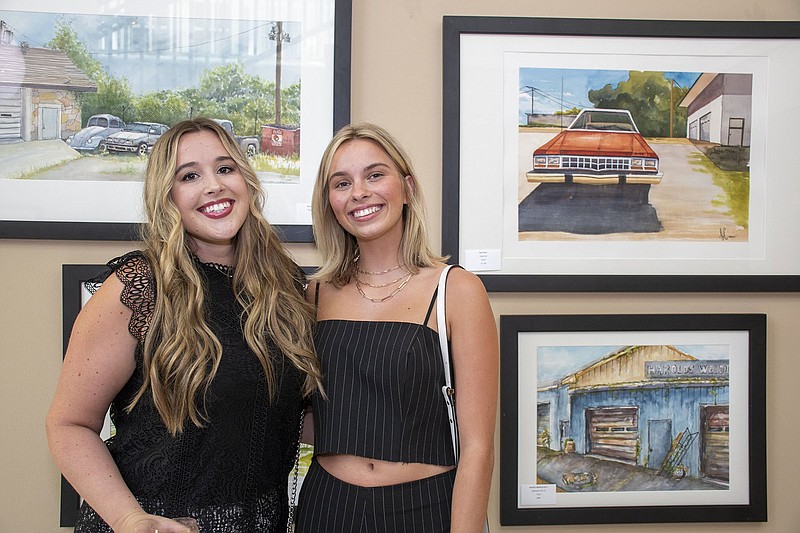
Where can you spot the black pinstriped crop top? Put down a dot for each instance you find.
(383, 381)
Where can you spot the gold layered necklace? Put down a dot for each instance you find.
(377, 273)
(401, 282)
(382, 285)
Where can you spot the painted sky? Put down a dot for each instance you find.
(559, 89)
(554, 362)
(166, 66)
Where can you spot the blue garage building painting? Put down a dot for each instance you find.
(654, 407)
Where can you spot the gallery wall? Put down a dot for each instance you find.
(396, 82)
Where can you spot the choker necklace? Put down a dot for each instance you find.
(378, 273)
(399, 288)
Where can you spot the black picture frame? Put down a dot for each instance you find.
(525, 340)
(454, 27)
(290, 233)
(73, 278)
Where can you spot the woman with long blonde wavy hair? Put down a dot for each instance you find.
(200, 344)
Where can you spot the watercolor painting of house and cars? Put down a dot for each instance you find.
(89, 77)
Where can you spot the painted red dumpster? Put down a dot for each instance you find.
(280, 140)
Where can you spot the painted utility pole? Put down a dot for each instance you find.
(278, 35)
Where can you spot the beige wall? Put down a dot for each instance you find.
(396, 82)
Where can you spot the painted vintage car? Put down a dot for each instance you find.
(136, 137)
(601, 146)
(92, 138)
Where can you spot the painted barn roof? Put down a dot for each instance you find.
(41, 68)
(625, 365)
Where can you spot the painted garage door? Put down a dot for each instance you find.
(10, 113)
(716, 434)
(613, 432)
(543, 424)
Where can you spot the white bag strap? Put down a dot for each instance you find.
(447, 389)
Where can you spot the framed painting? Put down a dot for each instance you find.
(620, 155)
(87, 91)
(632, 418)
(74, 296)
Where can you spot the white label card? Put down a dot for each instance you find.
(482, 260)
(536, 495)
(303, 213)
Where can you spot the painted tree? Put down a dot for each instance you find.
(290, 104)
(247, 100)
(651, 98)
(165, 107)
(66, 39)
(113, 95)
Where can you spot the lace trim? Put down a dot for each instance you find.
(138, 292)
(224, 269)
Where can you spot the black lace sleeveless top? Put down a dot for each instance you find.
(231, 475)
(383, 381)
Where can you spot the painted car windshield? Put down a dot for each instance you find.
(138, 126)
(603, 120)
(98, 121)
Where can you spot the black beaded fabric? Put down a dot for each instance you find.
(232, 474)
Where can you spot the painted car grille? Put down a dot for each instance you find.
(598, 164)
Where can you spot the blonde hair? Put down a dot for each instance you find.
(181, 353)
(338, 248)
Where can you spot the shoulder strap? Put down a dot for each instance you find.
(447, 389)
(430, 306)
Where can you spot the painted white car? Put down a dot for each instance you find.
(136, 137)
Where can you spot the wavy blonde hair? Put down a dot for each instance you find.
(181, 353)
(338, 248)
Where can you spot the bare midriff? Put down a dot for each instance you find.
(366, 472)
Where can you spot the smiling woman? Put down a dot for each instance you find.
(376, 324)
(211, 196)
(200, 345)
(367, 192)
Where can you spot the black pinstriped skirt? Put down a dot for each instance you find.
(328, 504)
